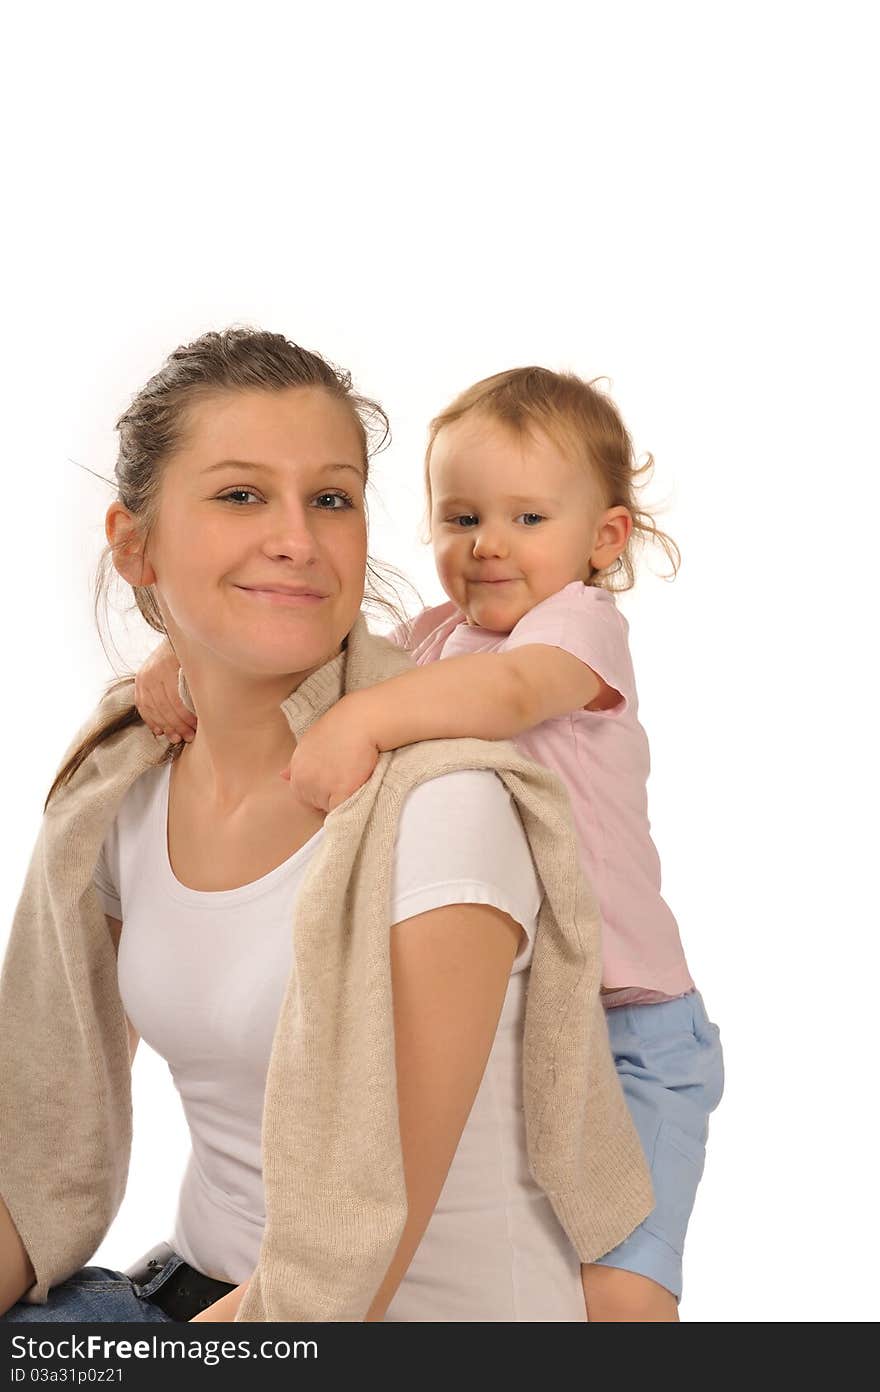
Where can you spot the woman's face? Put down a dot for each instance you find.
(259, 553)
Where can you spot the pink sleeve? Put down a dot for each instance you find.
(586, 622)
(399, 634)
(410, 635)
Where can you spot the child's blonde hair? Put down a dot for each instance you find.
(587, 427)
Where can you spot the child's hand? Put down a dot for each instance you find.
(332, 760)
(157, 698)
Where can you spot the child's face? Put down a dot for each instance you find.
(512, 520)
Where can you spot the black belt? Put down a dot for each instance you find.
(184, 1292)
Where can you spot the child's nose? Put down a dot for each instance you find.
(490, 541)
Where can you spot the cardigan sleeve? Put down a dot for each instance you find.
(65, 1100)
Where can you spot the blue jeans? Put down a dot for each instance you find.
(671, 1068)
(98, 1295)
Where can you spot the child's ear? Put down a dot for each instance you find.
(127, 546)
(612, 534)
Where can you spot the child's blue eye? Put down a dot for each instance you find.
(466, 518)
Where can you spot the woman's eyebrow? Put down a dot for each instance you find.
(269, 468)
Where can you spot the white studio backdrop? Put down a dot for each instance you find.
(677, 196)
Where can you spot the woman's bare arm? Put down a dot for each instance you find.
(450, 969)
(16, 1272)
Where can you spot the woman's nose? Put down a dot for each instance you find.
(292, 536)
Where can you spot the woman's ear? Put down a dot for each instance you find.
(127, 546)
(612, 534)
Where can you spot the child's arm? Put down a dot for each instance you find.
(484, 695)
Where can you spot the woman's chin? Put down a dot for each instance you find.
(283, 660)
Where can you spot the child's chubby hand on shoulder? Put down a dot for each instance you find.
(157, 697)
(334, 758)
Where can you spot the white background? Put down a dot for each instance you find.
(679, 196)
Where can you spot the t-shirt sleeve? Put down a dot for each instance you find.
(460, 841)
(414, 631)
(400, 635)
(106, 875)
(587, 623)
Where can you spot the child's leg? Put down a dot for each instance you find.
(615, 1296)
(670, 1063)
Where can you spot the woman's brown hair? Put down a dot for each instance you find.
(587, 427)
(154, 426)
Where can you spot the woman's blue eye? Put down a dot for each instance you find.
(228, 497)
(340, 497)
(235, 493)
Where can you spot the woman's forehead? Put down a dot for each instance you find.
(296, 425)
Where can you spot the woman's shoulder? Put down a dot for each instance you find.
(111, 743)
(472, 805)
(462, 792)
(496, 767)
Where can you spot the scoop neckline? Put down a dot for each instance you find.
(219, 898)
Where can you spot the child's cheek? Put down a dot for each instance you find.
(444, 562)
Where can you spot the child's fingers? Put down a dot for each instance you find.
(163, 721)
(179, 720)
(152, 718)
(167, 717)
(146, 707)
(148, 713)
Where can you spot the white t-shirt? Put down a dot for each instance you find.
(202, 975)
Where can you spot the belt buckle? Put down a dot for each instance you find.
(145, 1270)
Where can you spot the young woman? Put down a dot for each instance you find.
(383, 1126)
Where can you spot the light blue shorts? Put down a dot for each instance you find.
(670, 1063)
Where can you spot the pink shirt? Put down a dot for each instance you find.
(604, 761)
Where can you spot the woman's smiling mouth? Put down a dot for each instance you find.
(283, 596)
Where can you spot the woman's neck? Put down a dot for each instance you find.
(242, 741)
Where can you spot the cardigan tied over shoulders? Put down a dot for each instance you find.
(333, 1173)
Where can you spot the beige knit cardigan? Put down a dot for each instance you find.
(332, 1166)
